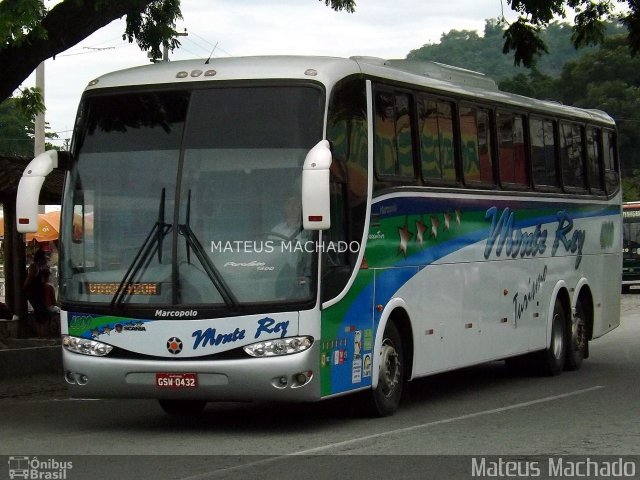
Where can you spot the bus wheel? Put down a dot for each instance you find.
(576, 340)
(385, 399)
(551, 361)
(182, 407)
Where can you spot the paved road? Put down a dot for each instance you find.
(477, 411)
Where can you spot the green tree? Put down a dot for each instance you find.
(14, 130)
(533, 84)
(631, 187)
(523, 36)
(609, 79)
(30, 32)
(17, 130)
(468, 49)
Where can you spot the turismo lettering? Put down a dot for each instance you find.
(522, 303)
(504, 235)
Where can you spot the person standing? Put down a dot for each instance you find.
(34, 291)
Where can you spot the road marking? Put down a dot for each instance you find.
(493, 411)
(331, 446)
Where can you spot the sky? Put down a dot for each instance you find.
(380, 28)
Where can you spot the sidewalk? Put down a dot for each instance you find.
(24, 357)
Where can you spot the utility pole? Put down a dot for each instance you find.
(165, 49)
(39, 125)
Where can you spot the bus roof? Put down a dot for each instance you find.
(443, 79)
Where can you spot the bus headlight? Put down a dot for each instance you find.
(280, 346)
(86, 347)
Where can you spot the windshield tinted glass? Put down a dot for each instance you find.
(208, 215)
(631, 235)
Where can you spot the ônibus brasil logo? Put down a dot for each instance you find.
(32, 467)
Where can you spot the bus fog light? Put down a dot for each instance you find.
(75, 378)
(85, 347)
(281, 346)
(301, 379)
(70, 377)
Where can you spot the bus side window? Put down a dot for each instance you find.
(511, 150)
(336, 263)
(393, 135)
(347, 130)
(477, 151)
(610, 161)
(437, 143)
(543, 152)
(594, 157)
(571, 155)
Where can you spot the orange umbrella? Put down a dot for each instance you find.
(48, 228)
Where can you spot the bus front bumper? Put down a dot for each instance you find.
(292, 377)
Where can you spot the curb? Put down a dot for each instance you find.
(29, 361)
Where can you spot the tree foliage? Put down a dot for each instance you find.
(30, 32)
(523, 36)
(469, 49)
(14, 130)
(17, 129)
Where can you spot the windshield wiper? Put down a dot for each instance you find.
(144, 254)
(210, 269)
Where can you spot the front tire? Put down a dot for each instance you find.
(385, 398)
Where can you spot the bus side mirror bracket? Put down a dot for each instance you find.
(316, 193)
(29, 190)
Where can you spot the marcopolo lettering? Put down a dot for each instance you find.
(176, 313)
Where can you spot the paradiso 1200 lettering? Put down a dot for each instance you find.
(516, 242)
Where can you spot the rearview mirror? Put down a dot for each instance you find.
(316, 206)
(29, 190)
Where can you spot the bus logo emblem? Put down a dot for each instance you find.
(174, 345)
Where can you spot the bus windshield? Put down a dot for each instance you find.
(191, 197)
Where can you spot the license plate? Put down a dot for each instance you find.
(176, 380)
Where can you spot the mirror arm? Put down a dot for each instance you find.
(29, 189)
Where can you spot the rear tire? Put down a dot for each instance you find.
(385, 398)
(551, 360)
(577, 340)
(182, 407)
